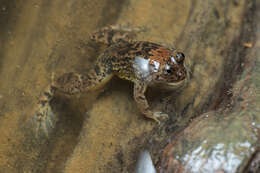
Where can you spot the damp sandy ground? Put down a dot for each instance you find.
(104, 131)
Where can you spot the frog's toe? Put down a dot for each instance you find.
(44, 119)
(160, 116)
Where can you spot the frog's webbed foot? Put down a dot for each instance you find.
(44, 119)
(116, 33)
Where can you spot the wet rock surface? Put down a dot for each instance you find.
(225, 139)
(214, 118)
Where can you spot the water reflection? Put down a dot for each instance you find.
(219, 157)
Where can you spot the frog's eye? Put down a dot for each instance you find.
(169, 71)
(180, 57)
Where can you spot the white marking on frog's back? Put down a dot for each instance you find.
(142, 67)
(142, 64)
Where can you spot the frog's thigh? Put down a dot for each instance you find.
(73, 83)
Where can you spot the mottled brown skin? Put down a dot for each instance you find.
(141, 62)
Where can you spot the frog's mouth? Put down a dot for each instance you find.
(170, 85)
(185, 81)
(176, 84)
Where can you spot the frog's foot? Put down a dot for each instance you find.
(158, 116)
(44, 119)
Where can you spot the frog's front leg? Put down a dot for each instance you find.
(139, 95)
(69, 84)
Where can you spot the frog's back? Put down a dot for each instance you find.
(124, 50)
(120, 57)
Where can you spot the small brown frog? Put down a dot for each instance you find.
(142, 62)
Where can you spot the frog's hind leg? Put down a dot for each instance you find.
(69, 84)
(114, 34)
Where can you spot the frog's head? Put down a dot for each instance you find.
(168, 66)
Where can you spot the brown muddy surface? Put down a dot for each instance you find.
(104, 131)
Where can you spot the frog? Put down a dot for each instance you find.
(144, 63)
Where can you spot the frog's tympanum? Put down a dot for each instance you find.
(141, 62)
